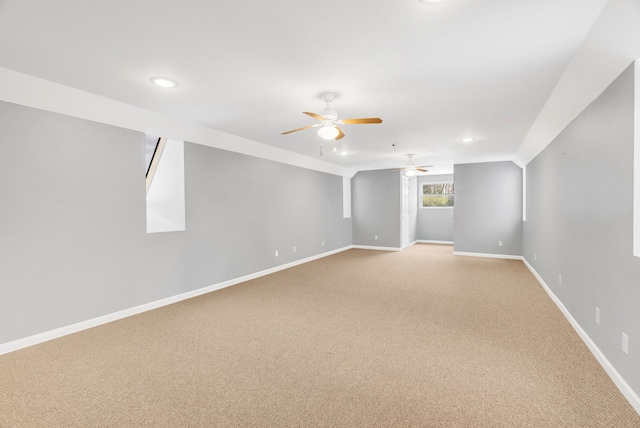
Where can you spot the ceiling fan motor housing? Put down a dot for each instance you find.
(330, 114)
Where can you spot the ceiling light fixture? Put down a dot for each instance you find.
(431, 1)
(467, 139)
(328, 132)
(411, 170)
(329, 121)
(164, 82)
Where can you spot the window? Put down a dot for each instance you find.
(165, 185)
(153, 148)
(437, 195)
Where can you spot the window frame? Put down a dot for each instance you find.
(421, 195)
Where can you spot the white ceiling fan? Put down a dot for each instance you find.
(329, 121)
(410, 169)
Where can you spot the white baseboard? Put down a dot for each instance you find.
(94, 322)
(367, 247)
(428, 241)
(619, 381)
(491, 256)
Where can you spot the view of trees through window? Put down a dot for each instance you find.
(437, 195)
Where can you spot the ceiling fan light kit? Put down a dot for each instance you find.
(328, 132)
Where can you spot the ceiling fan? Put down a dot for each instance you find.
(329, 121)
(410, 169)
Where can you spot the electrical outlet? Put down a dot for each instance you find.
(559, 279)
(375, 237)
(625, 343)
(276, 253)
(294, 249)
(323, 243)
(535, 256)
(499, 243)
(597, 315)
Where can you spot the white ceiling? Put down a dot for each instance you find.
(434, 73)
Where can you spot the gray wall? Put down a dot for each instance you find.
(72, 221)
(579, 223)
(376, 208)
(488, 206)
(434, 224)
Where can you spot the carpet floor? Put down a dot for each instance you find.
(418, 338)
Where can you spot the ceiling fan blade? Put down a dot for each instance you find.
(421, 170)
(300, 129)
(315, 115)
(362, 120)
(340, 133)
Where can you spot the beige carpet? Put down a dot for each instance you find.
(419, 338)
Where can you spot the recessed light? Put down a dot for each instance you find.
(467, 139)
(431, 1)
(344, 153)
(164, 82)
